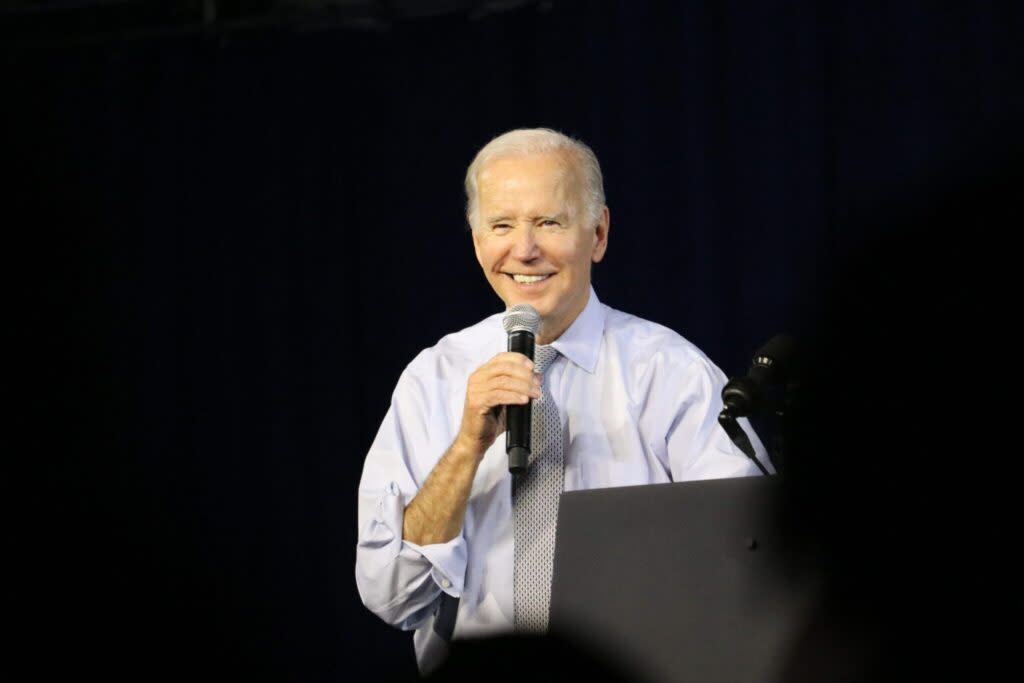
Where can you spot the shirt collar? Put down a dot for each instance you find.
(582, 341)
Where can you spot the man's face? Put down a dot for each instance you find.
(531, 239)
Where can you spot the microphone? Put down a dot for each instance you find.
(521, 322)
(757, 392)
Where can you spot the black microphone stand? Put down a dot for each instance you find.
(740, 438)
(779, 403)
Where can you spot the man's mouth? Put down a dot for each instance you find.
(528, 279)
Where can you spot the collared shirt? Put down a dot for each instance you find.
(639, 405)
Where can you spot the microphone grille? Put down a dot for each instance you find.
(521, 318)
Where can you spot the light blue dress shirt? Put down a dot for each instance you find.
(639, 405)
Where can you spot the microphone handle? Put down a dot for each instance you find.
(517, 417)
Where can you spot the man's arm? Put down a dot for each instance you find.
(437, 512)
(408, 553)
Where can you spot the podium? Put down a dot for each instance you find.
(677, 582)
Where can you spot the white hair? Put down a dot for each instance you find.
(526, 141)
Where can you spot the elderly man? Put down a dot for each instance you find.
(449, 539)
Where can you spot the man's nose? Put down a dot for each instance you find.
(525, 247)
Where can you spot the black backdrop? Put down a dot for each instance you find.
(225, 244)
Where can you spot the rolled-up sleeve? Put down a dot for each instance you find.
(400, 581)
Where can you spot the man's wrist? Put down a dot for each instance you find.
(467, 449)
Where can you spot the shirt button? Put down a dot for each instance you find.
(446, 583)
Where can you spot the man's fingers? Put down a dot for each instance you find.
(504, 380)
(514, 358)
(506, 363)
(528, 386)
(507, 379)
(501, 397)
(524, 385)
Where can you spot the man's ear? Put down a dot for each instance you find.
(601, 236)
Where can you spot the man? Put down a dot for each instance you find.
(443, 526)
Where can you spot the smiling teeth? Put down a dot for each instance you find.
(528, 278)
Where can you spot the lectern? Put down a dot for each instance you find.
(678, 582)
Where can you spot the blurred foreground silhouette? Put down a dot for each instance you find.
(903, 468)
(537, 659)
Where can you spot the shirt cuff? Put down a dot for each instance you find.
(384, 533)
(448, 563)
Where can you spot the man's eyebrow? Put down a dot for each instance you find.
(561, 217)
(497, 219)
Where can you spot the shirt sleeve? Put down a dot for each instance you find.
(399, 581)
(698, 447)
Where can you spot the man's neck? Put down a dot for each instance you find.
(550, 333)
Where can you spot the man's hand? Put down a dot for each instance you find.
(506, 379)
(436, 513)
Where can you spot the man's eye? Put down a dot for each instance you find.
(501, 227)
(550, 223)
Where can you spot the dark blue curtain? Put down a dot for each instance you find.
(226, 245)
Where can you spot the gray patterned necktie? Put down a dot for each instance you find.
(535, 507)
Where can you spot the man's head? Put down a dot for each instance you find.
(535, 204)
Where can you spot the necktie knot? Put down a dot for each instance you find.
(543, 356)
